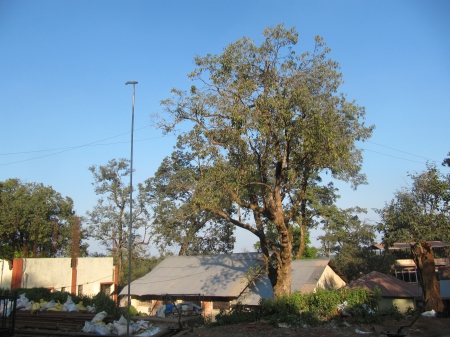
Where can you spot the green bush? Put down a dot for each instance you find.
(311, 309)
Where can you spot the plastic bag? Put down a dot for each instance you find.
(161, 310)
(22, 302)
(28, 306)
(430, 313)
(57, 307)
(88, 327)
(101, 329)
(90, 309)
(99, 317)
(80, 306)
(141, 325)
(150, 332)
(122, 329)
(69, 305)
(42, 303)
(48, 305)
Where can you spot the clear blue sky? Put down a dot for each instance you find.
(64, 64)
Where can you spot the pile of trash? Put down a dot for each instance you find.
(97, 326)
(184, 308)
(24, 304)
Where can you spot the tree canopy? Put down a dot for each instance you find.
(35, 221)
(109, 220)
(417, 215)
(266, 123)
(178, 222)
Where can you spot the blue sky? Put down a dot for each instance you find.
(64, 64)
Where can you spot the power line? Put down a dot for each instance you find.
(385, 154)
(76, 147)
(72, 147)
(391, 148)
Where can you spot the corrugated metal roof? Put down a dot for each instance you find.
(389, 286)
(216, 275)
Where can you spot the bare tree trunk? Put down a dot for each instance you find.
(284, 257)
(424, 258)
(302, 243)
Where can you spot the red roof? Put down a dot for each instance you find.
(389, 286)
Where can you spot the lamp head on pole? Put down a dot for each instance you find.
(131, 82)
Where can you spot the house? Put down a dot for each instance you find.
(405, 269)
(88, 276)
(218, 281)
(396, 292)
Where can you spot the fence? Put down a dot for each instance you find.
(7, 314)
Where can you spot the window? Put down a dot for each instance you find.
(406, 275)
(80, 290)
(106, 288)
(63, 289)
(221, 305)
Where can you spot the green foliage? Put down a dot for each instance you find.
(103, 302)
(311, 309)
(35, 221)
(178, 221)
(266, 123)
(419, 213)
(109, 221)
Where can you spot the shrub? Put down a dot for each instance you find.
(311, 309)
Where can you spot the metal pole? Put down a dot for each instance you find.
(131, 208)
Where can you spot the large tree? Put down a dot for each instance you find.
(178, 222)
(419, 214)
(109, 220)
(35, 221)
(271, 122)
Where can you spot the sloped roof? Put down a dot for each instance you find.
(215, 275)
(221, 276)
(305, 276)
(389, 286)
(407, 245)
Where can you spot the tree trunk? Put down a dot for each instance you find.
(424, 259)
(302, 243)
(284, 259)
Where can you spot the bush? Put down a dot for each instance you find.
(311, 309)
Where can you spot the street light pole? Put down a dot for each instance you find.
(130, 238)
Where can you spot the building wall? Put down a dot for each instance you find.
(6, 275)
(330, 280)
(93, 271)
(47, 272)
(402, 303)
(58, 274)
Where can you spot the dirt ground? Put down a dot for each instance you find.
(423, 327)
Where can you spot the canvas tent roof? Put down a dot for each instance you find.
(389, 286)
(305, 276)
(223, 276)
(215, 275)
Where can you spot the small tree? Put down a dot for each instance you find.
(417, 215)
(109, 221)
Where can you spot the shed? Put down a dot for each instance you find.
(393, 291)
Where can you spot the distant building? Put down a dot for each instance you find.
(393, 291)
(405, 269)
(89, 276)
